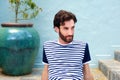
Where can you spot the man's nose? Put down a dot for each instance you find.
(70, 32)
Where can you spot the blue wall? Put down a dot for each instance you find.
(98, 24)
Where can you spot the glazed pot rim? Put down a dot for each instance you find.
(9, 24)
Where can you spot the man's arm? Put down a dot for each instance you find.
(87, 73)
(44, 75)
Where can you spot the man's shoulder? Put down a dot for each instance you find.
(81, 44)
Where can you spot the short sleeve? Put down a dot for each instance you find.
(44, 57)
(86, 54)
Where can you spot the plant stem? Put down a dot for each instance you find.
(16, 11)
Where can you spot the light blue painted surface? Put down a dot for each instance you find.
(98, 24)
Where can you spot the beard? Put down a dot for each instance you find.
(66, 39)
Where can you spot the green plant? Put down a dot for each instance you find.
(24, 9)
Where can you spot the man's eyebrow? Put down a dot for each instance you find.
(65, 27)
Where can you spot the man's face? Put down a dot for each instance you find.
(66, 32)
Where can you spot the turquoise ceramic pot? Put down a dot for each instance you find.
(19, 45)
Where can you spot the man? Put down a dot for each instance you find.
(65, 58)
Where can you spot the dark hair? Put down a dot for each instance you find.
(63, 16)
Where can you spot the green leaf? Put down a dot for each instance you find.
(25, 15)
(17, 1)
(33, 5)
(12, 1)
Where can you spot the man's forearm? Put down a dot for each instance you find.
(87, 73)
(44, 75)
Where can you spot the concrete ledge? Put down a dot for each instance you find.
(117, 55)
(97, 74)
(35, 75)
(110, 68)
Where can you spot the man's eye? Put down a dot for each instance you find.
(66, 28)
(73, 27)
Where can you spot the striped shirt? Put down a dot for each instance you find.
(65, 61)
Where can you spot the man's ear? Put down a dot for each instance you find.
(56, 29)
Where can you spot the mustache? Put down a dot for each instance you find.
(69, 36)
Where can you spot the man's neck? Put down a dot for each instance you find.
(63, 42)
